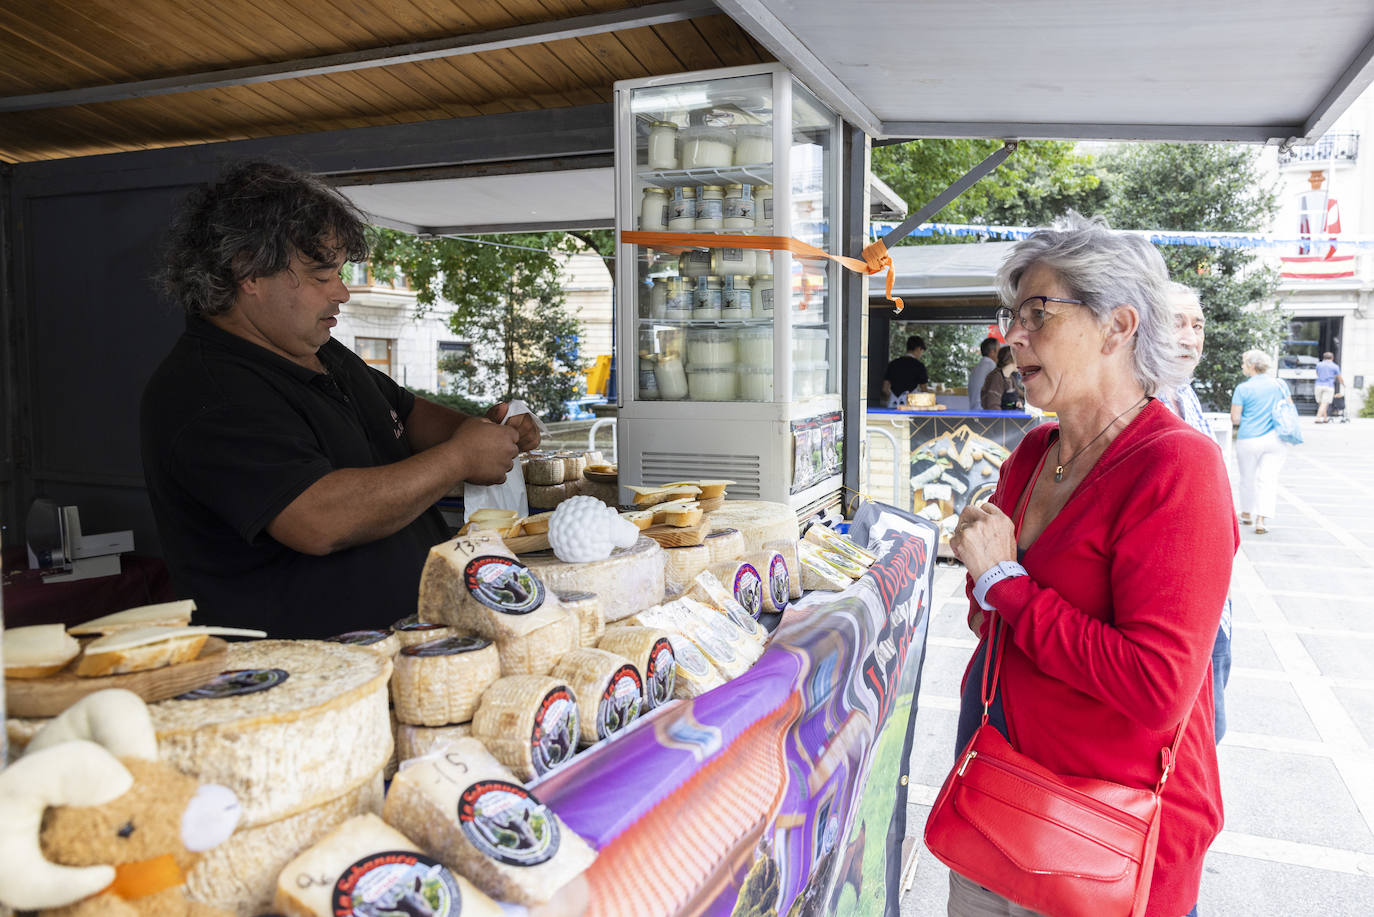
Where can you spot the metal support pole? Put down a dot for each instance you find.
(904, 229)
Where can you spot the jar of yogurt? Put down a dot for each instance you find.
(671, 378)
(739, 206)
(713, 383)
(694, 263)
(763, 205)
(682, 209)
(729, 261)
(653, 210)
(658, 298)
(756, 347)
(753, 144)
(709, 298)
(755, 383)
(737, 298)
(711, 347)
(662, 145)
(706, 147)
(648, 380)
(763, 296)
(677, 304)
(808, 379)
(711, 207)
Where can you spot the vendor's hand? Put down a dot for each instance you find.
(488, 450)
(983, 538)
(522, 424)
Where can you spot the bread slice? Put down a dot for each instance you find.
(165, 614)
(149, 648)
(37, 651)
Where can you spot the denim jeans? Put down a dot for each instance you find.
(1221, 673)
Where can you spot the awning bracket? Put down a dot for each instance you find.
(942, 200)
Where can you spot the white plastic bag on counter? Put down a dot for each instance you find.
(510, 493)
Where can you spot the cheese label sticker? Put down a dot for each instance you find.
(620, 702)
(504, 822)
(748, 589)
(575, 596)
(660, 674)
(555, 730)
(413, 623)
(360, 637)
(395, 881)
(503, 585)
(446, 646)
(779, 587)
(237, 682)
(689, 658)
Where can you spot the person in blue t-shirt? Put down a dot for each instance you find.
(1328, 374)
(1259, 452)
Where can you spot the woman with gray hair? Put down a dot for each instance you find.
(1259, 453)
(1104, 556)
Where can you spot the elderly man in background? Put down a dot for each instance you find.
(1190, 327)
(979, 373)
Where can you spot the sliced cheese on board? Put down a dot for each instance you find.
(681, 566)
(167, 614)
(725, 544)
(37, 651)
(414, 741)
(440, 682)
(777, 579)
(289, 725)
(365, 867)
(240, 875)
(382, 642)
(817, 573)
(475, 818)
(609, 690)
(630, 579)
(536, 652)
(832, 540)
(411, 630)
(586, 608)
(651, 650)
(529, 722)
(475, 584)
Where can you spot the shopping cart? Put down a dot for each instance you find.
(1335, 411)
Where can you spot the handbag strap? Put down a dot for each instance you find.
(997, 638)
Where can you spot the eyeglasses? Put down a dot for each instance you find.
(1030, 315)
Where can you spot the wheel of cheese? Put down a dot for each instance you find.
(777, 579)
(541, 497)
(630, 579)
(543, 470)
(529, 722)
(758, 521)
(475, 584)
(440, 682)
(475, 818)
(609, 690)
(744, 582)
(788, 549)
(573, 466)
(414, 741)
(382, 642)
(410, 631)
(290, 725)
(651, 649)
(725, 545)
(380, 870)
(681, 566)
(586, 608)
(536, 652)
(240, 875)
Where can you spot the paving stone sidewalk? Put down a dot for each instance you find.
(1297, 762)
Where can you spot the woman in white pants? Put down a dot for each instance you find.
(1259, 452)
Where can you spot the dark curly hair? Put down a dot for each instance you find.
(250, 223)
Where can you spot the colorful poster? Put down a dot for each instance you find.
(781, 792)
(819, 449)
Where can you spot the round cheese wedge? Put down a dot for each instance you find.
(536, 652)
(288, 726)
(629, 580)
(681, 566)
(441, 682)
(651, 649)
(529, 722)
(414, 741)
(744, 582)
(609, 690)
(777, 582)
(586, 608)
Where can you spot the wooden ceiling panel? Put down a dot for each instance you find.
(64, 45)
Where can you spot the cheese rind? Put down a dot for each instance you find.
(609, 690)
(725, 545)
(441, 682)
(410, 631)
(475, 584)
(832, 540)
(536, 652)
(586, 608)
(384, 643)
(744, 582)
(630, 579)
(681, 566)
(475, 817)
(414, 741)
(651, 649)
(817, 573)
(529, 722)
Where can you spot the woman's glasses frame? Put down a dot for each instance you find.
(1032, 319)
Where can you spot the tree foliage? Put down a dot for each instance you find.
(508, 304)
(1209, 188)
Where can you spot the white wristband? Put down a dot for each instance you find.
(992, 576)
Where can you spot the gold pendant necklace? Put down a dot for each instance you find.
(1059, 443)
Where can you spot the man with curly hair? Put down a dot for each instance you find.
(293, 485)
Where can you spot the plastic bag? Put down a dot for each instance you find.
(510, 493)
(1286, 418)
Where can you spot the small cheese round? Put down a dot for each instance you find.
(382, 642)
(681, 566)
(536, 652)
(543, 471)
(724, 545)
(744, 583)
(529, 722)
(777, 579)
(441, 681)
(609, 690)
(410, 631)
(586, 608)
(651, 649)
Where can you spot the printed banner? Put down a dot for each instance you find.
(781, 792)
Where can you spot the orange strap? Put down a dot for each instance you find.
(875, 256)
(146, 877)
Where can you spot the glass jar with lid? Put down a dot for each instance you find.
(682, 209)
(658, 298)
(671, 377)
(711, 207)
(737, 298)
(678, 303)
(739, 206)
(753, 144)
(763, 205)
(653, 210)
(729, 261)
(694, 263)
(663, 145)
(712, 346)
(707, 303)
(707, 147)
(763, 296)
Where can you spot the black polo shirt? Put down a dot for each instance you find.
(231, 434)
(905, 373)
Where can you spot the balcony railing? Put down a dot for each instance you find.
(1340, 147)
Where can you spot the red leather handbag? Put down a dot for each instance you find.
(1063, 846)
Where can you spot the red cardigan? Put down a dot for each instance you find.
(1112, 631)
